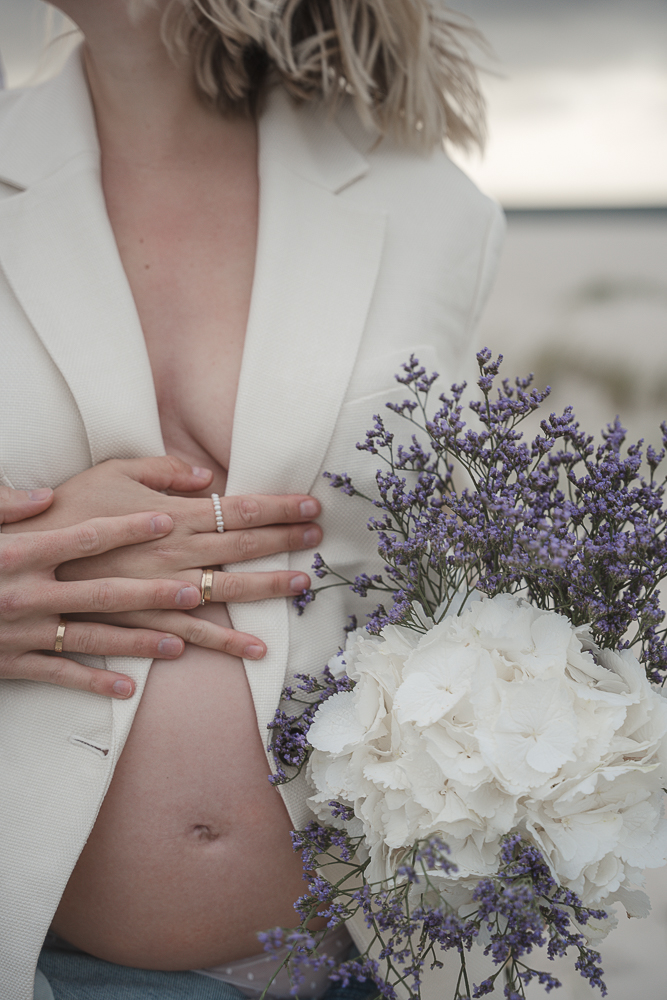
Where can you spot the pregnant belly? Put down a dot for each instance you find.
(191, 854)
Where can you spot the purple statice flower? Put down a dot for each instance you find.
(521, 906)
(339, 811)
(531, 905)
(575, 526)
(289, 730)
(341, 482)
(362, 970)
(319, 566)
(273, 940)
(432, 855)
(302, 600)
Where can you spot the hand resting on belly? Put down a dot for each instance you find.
(190, 855)
(32, 600)
(256, 526)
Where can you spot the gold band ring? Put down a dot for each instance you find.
(206, 586)
(60, 635)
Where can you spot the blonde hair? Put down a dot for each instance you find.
(403, 63)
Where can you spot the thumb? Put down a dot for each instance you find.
(17, 505)
(167, 473)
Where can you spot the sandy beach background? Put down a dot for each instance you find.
(578, 121)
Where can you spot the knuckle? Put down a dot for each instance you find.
(232, 587)
(87, 537)
(95, 681)
(102, 596)
(288, 512)
(197, 632)
(12, 557)
(57, 672)
(247, 544)
(175, 464)
(161, 592)
(86, 641)
(227, 641)
(248, 510)
(12, 605)
(295, 539)
(140, 644)
(278, 586)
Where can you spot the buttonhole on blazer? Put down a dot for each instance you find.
(78, 741)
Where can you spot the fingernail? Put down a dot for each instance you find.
(39, 495)
(253, 652)
(122, 688)
(201, 473)
(161, 524)
(311, 537)
(308, 508)
(169, 647)
(188, 597)
(299, 583)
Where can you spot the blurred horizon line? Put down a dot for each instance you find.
(585, 211)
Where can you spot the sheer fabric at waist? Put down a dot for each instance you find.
(252, 975)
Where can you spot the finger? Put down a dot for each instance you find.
(69, 674)
(50, 548)
(250, 511)
(94, 639)
(256, 510)
(239, 546)
(196, 631)
(239, 588)
(167, 473)
(17, 505)
(114, 595)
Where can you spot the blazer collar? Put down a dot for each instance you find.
(46, 126)
(308, 142)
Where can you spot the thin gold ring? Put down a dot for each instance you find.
(60, 635)
(206, 586)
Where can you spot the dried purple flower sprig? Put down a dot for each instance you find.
(576, 527)
(519, 908)
(288, 740)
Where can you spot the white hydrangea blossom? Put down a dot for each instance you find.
(503, 718)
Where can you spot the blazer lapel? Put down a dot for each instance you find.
(316, 267)
(59, 254)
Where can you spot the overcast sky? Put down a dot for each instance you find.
(577, 105)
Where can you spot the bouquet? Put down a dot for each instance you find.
(486, 757)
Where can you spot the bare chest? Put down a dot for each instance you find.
(188, 248)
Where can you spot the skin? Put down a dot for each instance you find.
(170, 875)
(256, 525)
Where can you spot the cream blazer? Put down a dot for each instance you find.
(365, 253)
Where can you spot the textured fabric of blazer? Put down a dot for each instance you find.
(365, 253)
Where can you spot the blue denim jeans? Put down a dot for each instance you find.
(74, 975)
